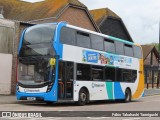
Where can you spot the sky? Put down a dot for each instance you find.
(141, 17)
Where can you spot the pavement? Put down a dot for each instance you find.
(7, 99)
(149, 92)
(11, 99)
(99, 110)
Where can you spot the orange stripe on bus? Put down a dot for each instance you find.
(140, 87)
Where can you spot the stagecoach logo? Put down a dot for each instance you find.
(31, 90)
(97, 85)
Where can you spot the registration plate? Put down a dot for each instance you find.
(31, 98)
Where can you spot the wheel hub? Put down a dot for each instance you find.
(83, 97)
(127, 97)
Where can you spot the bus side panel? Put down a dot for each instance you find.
(73, 53)
(140, 88)
(104, 90)
(101, 90)
(109, 89)
(97, 90)
(137, 88)
(133, 86)
(118, 92)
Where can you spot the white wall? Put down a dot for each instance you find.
(5, 73)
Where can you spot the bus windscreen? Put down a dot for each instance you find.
(35, 70)
(37, 40)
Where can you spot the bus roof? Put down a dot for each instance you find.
(96, 33)
(103, 35)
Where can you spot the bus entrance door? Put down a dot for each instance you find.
(65, 81)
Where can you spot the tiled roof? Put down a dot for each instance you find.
(76, 2)
(99, 14)
(25, 11)
(147, 50)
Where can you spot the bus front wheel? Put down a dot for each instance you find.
(127, 96)
(83, 97)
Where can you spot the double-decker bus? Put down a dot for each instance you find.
(61, 62)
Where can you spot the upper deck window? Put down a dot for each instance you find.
(68, 36)
(83, 39)
(119, 48)
(137, 52)
(109, 46)
(39, 34)
(128, 50)
(97, 42)
(38, 40)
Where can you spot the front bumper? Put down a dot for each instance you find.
(50, 96)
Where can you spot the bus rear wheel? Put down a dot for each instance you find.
(83, 97)
(127, 96)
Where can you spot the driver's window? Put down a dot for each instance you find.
(50, 71)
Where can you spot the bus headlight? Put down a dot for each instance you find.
(49, 87)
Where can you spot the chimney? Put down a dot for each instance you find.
(1, 12)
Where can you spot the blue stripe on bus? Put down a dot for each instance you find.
(56, 42)
(120, 40)
(59, 51)
(54, 89)
(21, 41)
(118, 93)
(143, 95)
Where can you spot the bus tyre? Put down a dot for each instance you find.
(83, 97)
(127, 96)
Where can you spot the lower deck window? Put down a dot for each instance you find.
(104, 73)
(110, 74)
(97, 73)
(83, 72)
(126, 75)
